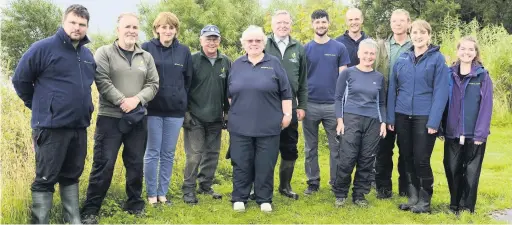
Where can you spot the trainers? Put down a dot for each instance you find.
(311, 190)
(266, 207)
(190, 198)
(210, 192)
(90, 219)
(239, 207)
(340, 202)
(361, 202)
(384, 193)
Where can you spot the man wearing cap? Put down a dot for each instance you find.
(293, 59)
(127, 79)
(207, 113)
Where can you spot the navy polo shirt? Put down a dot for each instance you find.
(323, 62)
(256, 92)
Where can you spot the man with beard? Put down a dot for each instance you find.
(54, 78)
(354, 35)
(326, 58)
(127, 80)
(292, 56)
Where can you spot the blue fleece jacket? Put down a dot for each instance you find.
(419, 88)
(175, 68)
(54, 80)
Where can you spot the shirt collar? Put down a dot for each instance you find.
(285, 41)
(392, 40)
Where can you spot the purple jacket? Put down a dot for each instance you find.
(469, 104)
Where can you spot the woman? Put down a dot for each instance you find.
(260, 97)
(467, 125)
(360, 112)
(167, 110)
(417, 96)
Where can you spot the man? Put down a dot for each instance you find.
(326, 59)
(207, 110)
(127, 80)
(389, 50)
(54, 78)
(293, 58)
(354, 35)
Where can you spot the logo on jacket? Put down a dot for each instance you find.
(177, 64)
(267, 67)
(222, 73)
(141, 66)
(293, 58)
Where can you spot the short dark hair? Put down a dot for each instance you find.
(319, 13)
(78, 10)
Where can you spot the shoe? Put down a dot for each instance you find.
(239, 207)
(361, 202)
(69, 199)
(311, 190)
(340, 202)
(190, 198)
(41, 205)
(210, 192)
(165, 201)
(266, 207)
(425, 196)
(152, 201)
(384, 193)
(285, 178)
(136, 212)
(412, 198)
(90, 219)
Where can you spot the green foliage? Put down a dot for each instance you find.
(23, 23)
(486, 12)
(99, 39)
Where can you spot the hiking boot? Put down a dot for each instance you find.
(384, 193)
(311, 190)
(190, 198)
(425, 196)
(412, 193)
(90, 219)
(340, 202)
(210, 192)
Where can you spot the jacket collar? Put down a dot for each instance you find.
(476, 68)
(201, 52)
(157, 42)
(61, 34)
(363, 36)
(291, 41)
(136, 51)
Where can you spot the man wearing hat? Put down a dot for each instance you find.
(127, 80)
(207, 113)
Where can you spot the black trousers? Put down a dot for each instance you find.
(416, 145)
(384, 164)
(289, 138)
(107, 141)
(462, 165)
(253, 160)
(359, 144)
(60, 157)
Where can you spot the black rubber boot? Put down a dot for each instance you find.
(41, 206)
(285, 178)
(412, 193)
(425, 195)
(69, 199)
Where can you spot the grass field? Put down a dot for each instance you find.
(17, 171)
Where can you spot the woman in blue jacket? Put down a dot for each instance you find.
(417, 96)
(167, 110)
(467, 125)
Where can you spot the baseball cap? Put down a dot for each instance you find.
(210, 30)
(130, 119)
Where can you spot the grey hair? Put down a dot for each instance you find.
(281, 12)
(402, 11)
(122, 15)
(369, 43)
(253, 29)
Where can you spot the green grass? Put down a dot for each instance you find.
(17, 171)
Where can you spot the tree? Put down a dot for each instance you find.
(486, 12)
(23, 23)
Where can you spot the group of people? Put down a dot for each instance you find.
(366, 94)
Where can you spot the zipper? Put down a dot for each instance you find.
(81, 76)
(462, 93)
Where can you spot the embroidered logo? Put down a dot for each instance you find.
(331, 55)
(141, 66)
(474, 83)
(267, 67)
(177, 64)
(222, 73)
(293, 58)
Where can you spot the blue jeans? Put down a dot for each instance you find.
(163, 133)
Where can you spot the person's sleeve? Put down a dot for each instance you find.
(382, 101)
(483, 122)
(226, 84)
(26, 73)
(344, 58)
(150, 87)
(440, 95)
(102, 78)
(302, 93)
(341, 86)
(190, 70)
(285, 90)
(392, 88)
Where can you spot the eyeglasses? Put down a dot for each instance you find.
(212, 40)
(257, 41)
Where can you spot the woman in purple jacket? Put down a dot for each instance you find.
(467, 125)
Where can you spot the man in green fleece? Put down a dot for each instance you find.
(207, 111)
(293, 58)
(127, 80)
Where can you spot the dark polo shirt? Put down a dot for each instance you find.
(256, 92)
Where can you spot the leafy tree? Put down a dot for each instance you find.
(23, 23)
(487, 12)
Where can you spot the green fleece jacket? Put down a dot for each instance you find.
(294, 63)
(116, 79)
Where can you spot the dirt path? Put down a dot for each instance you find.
(505, 215)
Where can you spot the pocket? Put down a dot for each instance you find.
(36, 137)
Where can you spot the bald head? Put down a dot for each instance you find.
(354, 20)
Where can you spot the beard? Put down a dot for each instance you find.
(321, 34)
(130, 40)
